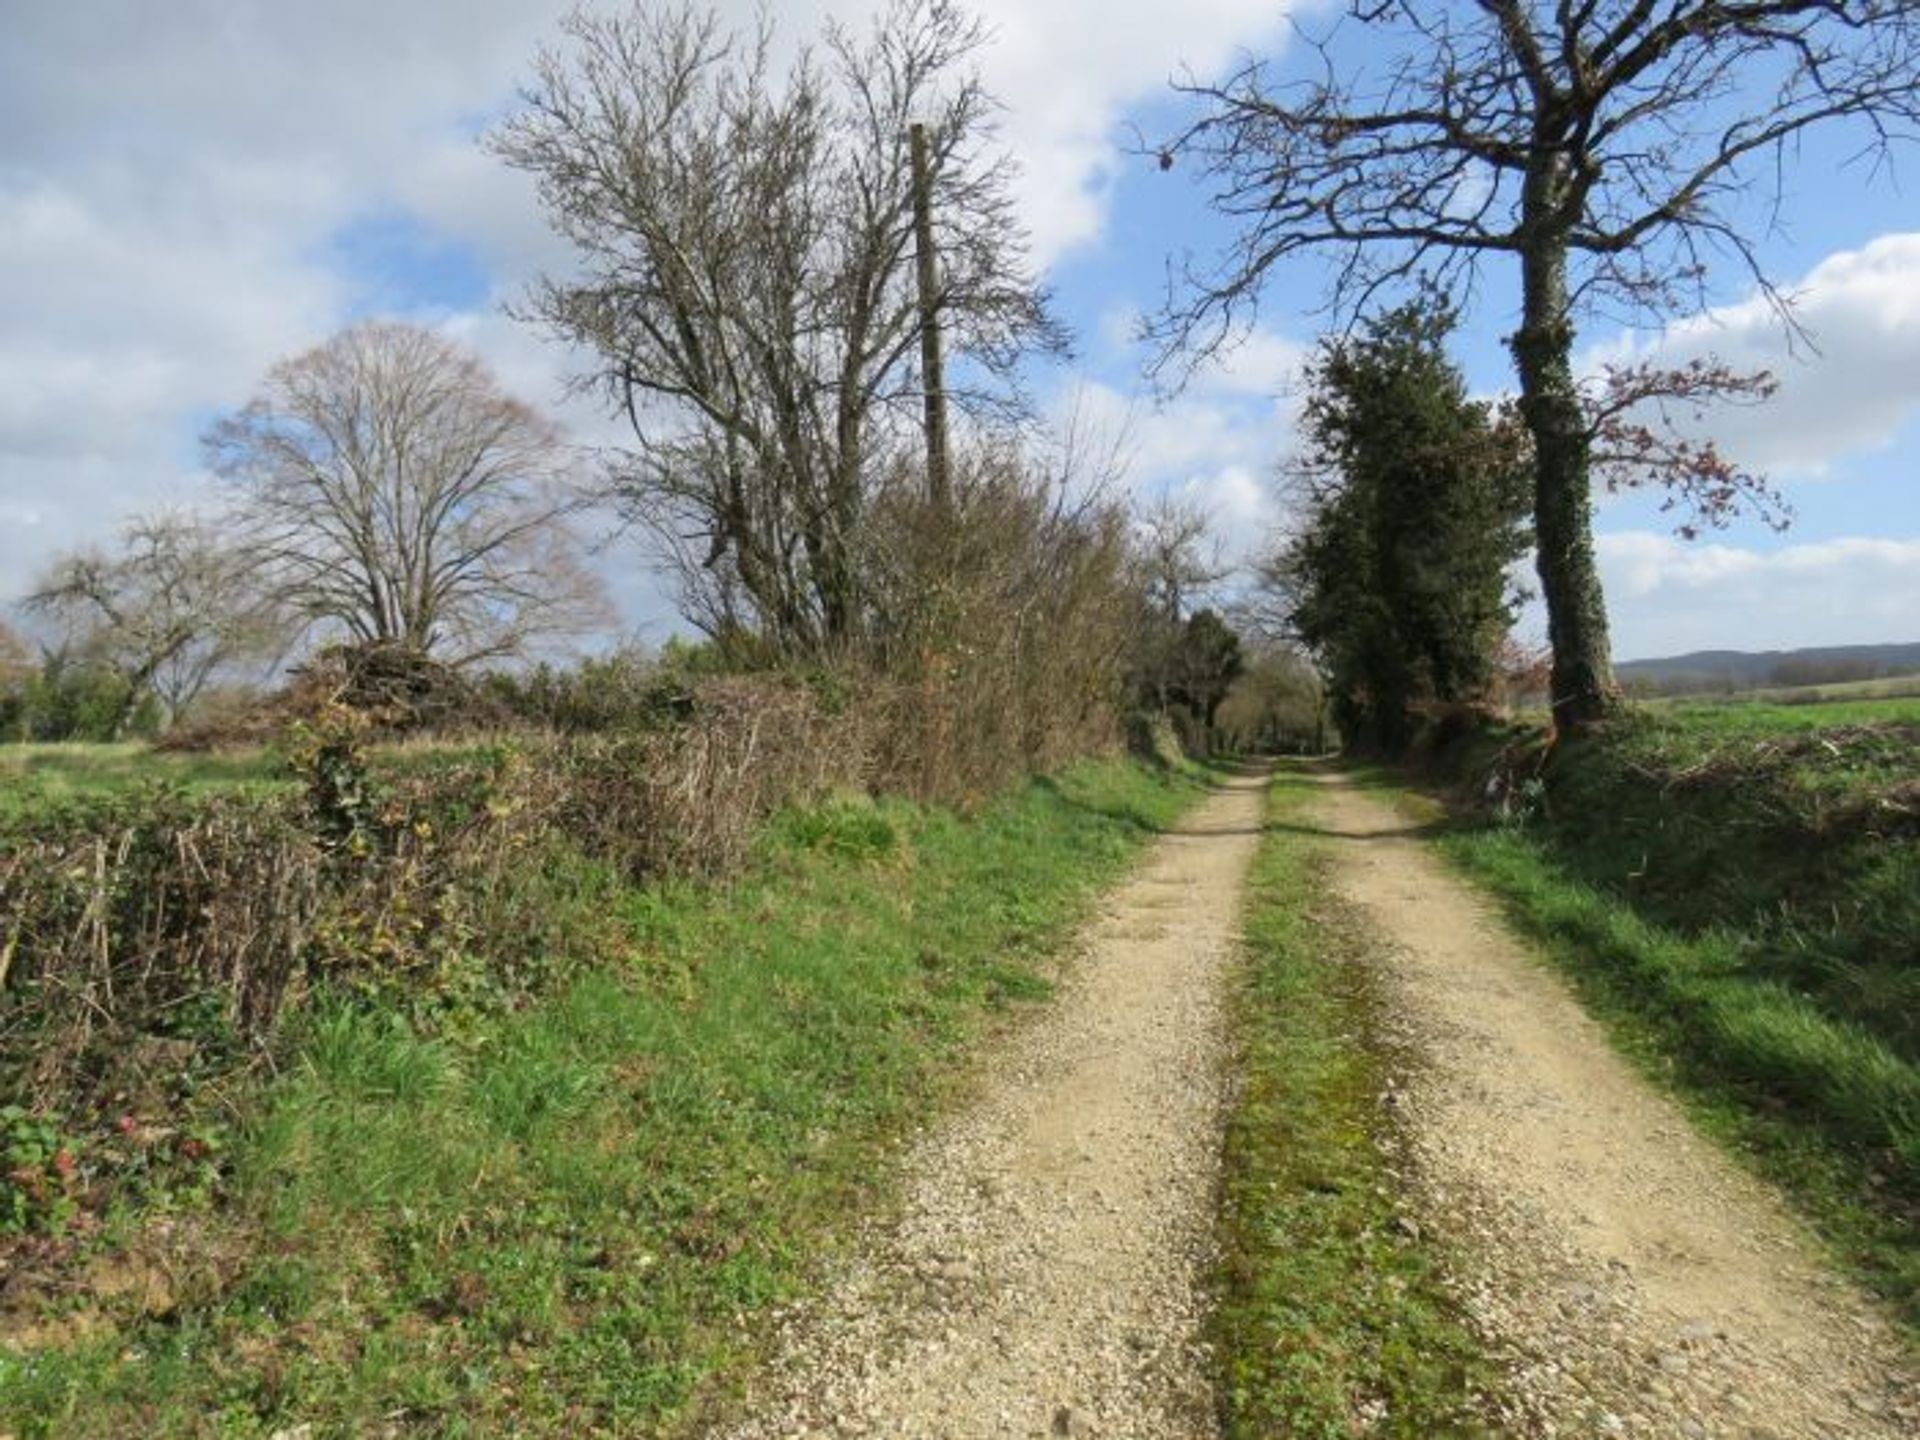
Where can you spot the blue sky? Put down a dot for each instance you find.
(192, 191)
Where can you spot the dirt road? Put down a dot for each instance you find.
(1046, 1275)
(1645, 1284)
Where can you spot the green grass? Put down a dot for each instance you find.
(42, 775)
(1769, 711)
(1334, 1318)
(559, 1219)
(1790, 836)
(1882, 691)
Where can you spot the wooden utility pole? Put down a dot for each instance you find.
(933, 368)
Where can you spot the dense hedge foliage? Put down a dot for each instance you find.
(128, 915)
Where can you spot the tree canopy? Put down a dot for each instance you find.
(744, 277)
(392, 494)
(164, 612)
(1415, 496)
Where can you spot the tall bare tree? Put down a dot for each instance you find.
(166, 611)
(1604, 144)
(1181, 558)
(745, 276)
(392, 492)
(1179, 563)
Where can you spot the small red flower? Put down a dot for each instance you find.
(126, 1125)
(64, 1164)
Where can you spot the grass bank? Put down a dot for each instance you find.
(1333, 1317)
(557, 1215)
(1736, 891)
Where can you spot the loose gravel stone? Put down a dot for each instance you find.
(1633, 1277)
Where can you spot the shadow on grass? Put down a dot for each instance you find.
(1248, 769)
(1209, 776)
(1420, 831)
(1119, 810)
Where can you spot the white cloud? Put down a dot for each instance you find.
(1263, 364)
(1854, 396)
(1240, 504)
(1066, 69)
(1668, 597)
(172, 179)
(1220, 443)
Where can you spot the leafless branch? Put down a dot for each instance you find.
(390, 490)
(744, 245)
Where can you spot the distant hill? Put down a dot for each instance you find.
(1749, 670)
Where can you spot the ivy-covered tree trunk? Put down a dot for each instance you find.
(1583, 684)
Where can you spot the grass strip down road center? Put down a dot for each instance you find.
(1334, 1318)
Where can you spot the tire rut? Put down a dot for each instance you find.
(1047, 1272)
(1638, 1281)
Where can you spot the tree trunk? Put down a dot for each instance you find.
(141, 680)
(933, 371)
(838, 578)
(1583, 686)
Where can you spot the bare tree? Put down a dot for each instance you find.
(744, 238)
(1182, 559)
(1179, 562)
(167, 611)
(1602, 143)
(394, 493)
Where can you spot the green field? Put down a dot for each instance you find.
(1897, 687)
(1769, 710)
(38, 775)
(1870, 702)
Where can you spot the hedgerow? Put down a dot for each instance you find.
(208, 921)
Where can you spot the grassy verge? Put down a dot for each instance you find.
(557, 1216)
(1783, 844)
(1333, 1318)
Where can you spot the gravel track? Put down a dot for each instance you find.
(1046, 1274)
(1637, 1280)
